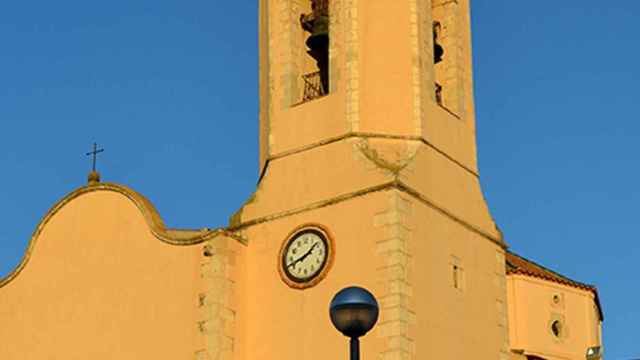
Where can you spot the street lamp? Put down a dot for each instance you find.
(353, 312)
(594, 353)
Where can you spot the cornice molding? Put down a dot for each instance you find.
(175, 237)
(365, 135)
(391, 185)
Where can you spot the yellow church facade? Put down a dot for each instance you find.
(369, 177)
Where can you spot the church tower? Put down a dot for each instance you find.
(368, 177)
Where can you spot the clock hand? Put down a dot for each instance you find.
(303, 256)
(309, 252)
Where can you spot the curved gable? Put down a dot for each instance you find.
(96, 276)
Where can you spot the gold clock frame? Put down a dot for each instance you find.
(328, 263)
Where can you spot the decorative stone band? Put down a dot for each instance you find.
(176, 237)
(364, 135)
(391, 185)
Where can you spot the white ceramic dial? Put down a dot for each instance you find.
(305, 256)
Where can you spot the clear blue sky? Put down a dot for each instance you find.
(170, 89)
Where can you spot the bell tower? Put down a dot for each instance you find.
(367, 140)
(381, 79)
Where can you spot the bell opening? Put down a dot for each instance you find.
(317, 24)
(438, 50)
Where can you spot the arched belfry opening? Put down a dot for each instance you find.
(450, 56)
(438, 50)
(316, 24)
(438, 53)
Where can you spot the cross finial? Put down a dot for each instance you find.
(95, 153)
(94, 177)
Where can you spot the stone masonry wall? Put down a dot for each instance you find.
(395, 291)
(216, 310)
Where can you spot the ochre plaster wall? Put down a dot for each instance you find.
(466, 320)
(532, 309)
(289, 324)
(401, 249)
(99, 285)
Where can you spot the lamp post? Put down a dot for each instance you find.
(354, 311)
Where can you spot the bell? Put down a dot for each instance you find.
(318, 43)
(438, 51)
(319, 39)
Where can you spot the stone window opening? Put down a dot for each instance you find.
(556, 328)
(557, 301)
(457, 274)
(316, 23)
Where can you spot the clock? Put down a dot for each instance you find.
(305, 256)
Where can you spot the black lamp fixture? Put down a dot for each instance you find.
(354, 311)
(594, 353)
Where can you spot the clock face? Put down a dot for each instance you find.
(305, 255)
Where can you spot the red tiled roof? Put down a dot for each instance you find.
(516, 264)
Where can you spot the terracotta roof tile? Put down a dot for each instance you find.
(516, 264)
